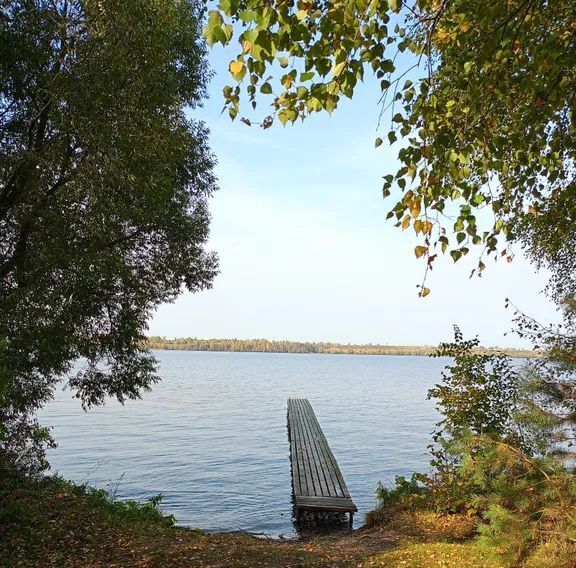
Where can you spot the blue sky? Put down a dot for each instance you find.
(305, 250)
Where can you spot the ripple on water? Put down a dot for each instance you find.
(212, 435)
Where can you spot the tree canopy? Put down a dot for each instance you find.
(103, 189)
(478, 97)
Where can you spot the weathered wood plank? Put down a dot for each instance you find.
(336, 504)
(304, 456)
(325, 454)
(315, 471)
(296, 481)
(298, 458)
(326, 478)
(317, 481)
(333, 464)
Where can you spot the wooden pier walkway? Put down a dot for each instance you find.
(317, 481)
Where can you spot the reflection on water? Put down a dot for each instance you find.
(212, 436)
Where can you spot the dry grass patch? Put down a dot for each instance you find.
(425, 525)
(432, 555)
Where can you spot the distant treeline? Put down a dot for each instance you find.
(267, 346)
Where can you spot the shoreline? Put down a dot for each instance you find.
(309, 348)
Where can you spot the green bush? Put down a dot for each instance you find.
(128, 509)
(406, 492)
(528, 505)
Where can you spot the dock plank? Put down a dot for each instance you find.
(342, 490)
(325, 471)
(325, 455)
(318, 479)
(304, 458)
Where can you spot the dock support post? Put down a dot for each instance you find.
(351, 520)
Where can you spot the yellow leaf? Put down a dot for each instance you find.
(415, 207)
(427, 227)
(420, 250)
(236, 67)
(443, 35)
(247, 46)
(425, 292)
(418, 225)
(406, 222)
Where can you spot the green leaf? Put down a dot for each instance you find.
(283, 117)
(266, 88)
(387, 66)
(248, 16)
(213, 31)
(229, 7)
(456, 255)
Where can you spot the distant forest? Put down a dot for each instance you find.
(267, 346)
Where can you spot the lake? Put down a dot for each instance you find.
(212, 435)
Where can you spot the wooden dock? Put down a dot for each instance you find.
(317, 481)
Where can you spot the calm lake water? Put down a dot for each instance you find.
(212, 435)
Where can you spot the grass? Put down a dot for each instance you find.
(54, 523)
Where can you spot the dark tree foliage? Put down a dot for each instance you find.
(103, 189)
(549, 384)
(549, 239)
